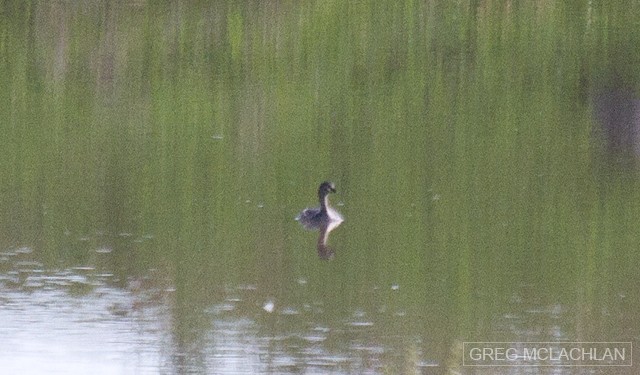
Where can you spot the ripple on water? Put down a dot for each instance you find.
(289, 311)
(221, 308)
(361, 324)
(24, 250)
(314, 338)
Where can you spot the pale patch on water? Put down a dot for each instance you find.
(269, 306)
(48, 331)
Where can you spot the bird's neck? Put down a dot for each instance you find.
(324, 202)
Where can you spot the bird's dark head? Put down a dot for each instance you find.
(326, 188)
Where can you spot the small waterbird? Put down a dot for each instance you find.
(323, 216)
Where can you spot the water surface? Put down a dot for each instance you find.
(154, 157)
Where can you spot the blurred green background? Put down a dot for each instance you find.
(160, 150)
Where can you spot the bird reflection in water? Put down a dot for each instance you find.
(324, 218)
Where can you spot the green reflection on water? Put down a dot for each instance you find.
(186, 138)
